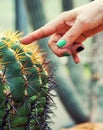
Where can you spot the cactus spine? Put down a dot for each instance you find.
(24, 91)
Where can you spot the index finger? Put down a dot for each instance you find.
(44, 31)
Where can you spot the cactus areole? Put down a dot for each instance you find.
(24, 91)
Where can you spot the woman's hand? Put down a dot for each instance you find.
(71, 27)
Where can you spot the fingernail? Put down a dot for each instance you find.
(80, 48)
(66, 54)
(61, 43)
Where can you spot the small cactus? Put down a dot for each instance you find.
(24, 89)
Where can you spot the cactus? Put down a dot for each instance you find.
(24, 81)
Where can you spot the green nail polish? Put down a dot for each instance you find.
(66, 54)
(61, 43)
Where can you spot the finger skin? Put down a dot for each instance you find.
(72, 50)
(86, 20)
(57, 25)
(76, 21)
(36, 35)
(94, 31)
(74, 26)
(44, 31)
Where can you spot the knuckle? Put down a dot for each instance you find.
(54, 48)
(84, 21)
(50, 42)
(63, 14)
(69, 35)
(57, 53)
(50, 45)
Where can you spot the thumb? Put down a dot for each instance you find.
(71, 35)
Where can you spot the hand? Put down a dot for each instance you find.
(72, 26)
(72, 50)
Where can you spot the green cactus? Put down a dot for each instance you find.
(24, 91)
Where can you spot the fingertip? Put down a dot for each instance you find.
(77, 61)
(76, 58)
(26, 40)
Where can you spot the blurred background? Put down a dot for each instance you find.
(79, 96)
